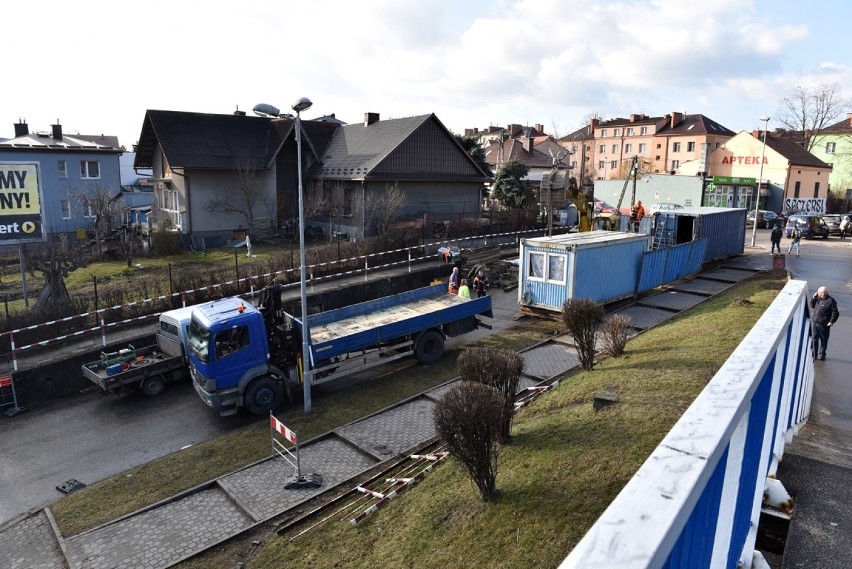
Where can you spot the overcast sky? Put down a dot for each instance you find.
(97, 66)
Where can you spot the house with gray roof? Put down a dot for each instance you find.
(67, 166)
(204, 160)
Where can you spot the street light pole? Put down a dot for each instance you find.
(303, 104)
(765, 120)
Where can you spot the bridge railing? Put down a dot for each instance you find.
(696, 501)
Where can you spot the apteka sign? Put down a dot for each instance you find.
(20, 202)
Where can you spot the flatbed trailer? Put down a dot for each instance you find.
(149, 369)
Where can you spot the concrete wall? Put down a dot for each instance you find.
(651, 189)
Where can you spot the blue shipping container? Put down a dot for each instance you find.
(723, 228)
(599, 265)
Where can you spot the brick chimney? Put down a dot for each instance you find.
(593, 124)
(513, 129)
(57, 131)
(539, 127)
(676, 118)
(21, 128)
(370, 118)
(638, 117)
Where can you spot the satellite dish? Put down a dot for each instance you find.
(265, 110)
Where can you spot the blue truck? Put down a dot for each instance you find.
(246, 356)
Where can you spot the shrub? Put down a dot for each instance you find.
(468, 419)
(615, 332)
(583, 317)
(501, 369)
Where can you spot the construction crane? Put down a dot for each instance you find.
(609, 221)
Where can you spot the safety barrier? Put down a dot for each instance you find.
(696, 501)
(429, 252)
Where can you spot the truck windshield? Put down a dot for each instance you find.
(199, 341)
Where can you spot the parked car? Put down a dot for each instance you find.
(832, 220)
(665, 207)
(764, 218)
(811, 226)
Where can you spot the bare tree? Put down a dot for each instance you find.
(808, 110)
(247, 197)
(383, 208)
(499, 368)
(468, 419)
(100, 202)
(54, 262)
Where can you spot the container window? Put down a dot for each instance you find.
(556, 268)
(547, 267)
(536, 266)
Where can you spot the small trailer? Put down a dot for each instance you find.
(149, 368)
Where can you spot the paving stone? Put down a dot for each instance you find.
(30, 544)
(644, 317)
(439, 392)
(673, 300)
(162, 536)
(549, 360)
(261, 489)
(396, 430)
(728, 274)
(703, 286)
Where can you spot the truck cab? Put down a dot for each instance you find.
(229, 357)
(173, 332)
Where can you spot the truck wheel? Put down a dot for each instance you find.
(264, 395)
(153, 385)
(430, 347)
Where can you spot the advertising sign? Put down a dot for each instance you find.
(734, 181)
(813, 206)
(20, 203)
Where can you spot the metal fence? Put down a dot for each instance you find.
(696, 501)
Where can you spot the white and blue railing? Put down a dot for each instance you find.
(696, 501)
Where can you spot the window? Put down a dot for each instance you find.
(642, 146)
(629, 131)
(675, 164)
(797, 189)
(616, 132)
(547, 267)
(65, 206)
(816, 190)
(347, 201)
(229, 341)
(615, 149)
(89, 169)
(63, 169)
(676, 147)
(628, 148)
(690, 147)
(659, 146)
(603, 133)
(829, 147)
(613, 165)
(88, 211)
(601, 165)
(602, 148)
(643, 130)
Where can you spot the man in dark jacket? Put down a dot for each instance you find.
(825, 314)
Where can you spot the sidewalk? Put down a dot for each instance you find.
(175, 529)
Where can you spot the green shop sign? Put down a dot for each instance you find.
(734, 181)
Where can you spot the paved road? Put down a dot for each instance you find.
(95, 436)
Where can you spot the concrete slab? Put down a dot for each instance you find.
(673, 300)
(703, 286)
(260, 489)
(30, 543)
(728, 274)
(549, 360)
(396, 430)
(644, 317)
(162, 536)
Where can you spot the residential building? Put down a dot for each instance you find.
(833, 145)
(68, 166)
(215, 175)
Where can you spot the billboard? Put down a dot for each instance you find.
(20, 203)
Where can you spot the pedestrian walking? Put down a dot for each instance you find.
(480, 284)
(453, 286)
(796, 236)
(844, 227)
(825, 314)
(464, 290)
(775, 238)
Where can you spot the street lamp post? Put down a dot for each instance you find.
(303, 104)
(765, 120)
